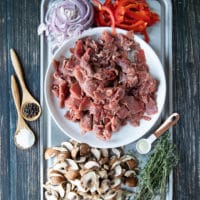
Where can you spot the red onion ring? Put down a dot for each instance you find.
(66, 18)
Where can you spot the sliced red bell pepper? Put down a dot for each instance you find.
(127, 14)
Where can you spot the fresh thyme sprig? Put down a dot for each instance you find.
(153, 178)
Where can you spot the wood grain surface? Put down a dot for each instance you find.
(186, 75)
(19, 170)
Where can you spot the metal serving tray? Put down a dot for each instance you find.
(160, 40)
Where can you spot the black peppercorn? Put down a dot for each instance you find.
(30, 110)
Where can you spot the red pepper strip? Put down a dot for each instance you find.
(139, 26)
(103, 19)
(127, 14)
(108, 10)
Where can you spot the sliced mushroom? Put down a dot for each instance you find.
(90, 181)
(81, 160)
(106, 167)
(117, 171)
(56, 180)
(91, 165)
(111, 195)
(84, 149)
(53, 172)
(130, 173)
(60, 149)
(68, 187)
(116, 183)
(60, 189)
(61, 167)
(104, 152)
(113, 159)
(67, 145)
(72, 165)
(51, 195)
(104, 160)
(103, 174)
(116, 152)
(78, 184)
(104, 187)
(96, 153)
(50, 153)
(74, 152)
(73, 196)
(74, 143)
(115, 163)
(132, 163)
(63, 155)
(131, 181)
(125, 158)
(72, 174)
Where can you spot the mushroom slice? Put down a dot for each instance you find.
(116, 152)
(50, 152)
(72, 174)
(60, 189)
(56, 180)
(61, 167)
(67, 145)
(132, 164)
(117, 162)
(104, 160)
(111, 195)
(63, 155)
(91, 165)
(106, 167)
(84, 149)
(68, 188)
(131, 181)
(96, 153)
(78, 184)
(116, 183)
(61, 149)
(73, 196)
(81, 160)
(51, 195)
(105, 186)
(53, 172)
(74, 152)
(90, 181)
(125, 158)
(117, 171)
(84, 171)
(72, 165)
(104, 152)
(103, 174)
(130, 173)
(73, 142)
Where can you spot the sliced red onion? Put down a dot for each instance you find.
(66, 18)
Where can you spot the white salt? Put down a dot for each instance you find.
(25, 138)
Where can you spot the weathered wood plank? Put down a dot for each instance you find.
(4, 108)
(186, 63)
(21, 19)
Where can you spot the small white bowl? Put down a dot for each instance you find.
(127, 133)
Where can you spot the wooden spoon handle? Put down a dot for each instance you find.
(18, 68)
(15, 94)
(169, 122)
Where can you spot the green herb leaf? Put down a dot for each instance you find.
(154, 175)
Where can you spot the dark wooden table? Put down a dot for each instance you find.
(20, 176)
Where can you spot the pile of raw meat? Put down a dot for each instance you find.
(105, 83)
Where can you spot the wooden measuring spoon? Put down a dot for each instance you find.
(143, 146)
(30, 108)
(28, 138)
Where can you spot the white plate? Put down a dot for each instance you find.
(126, 134)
